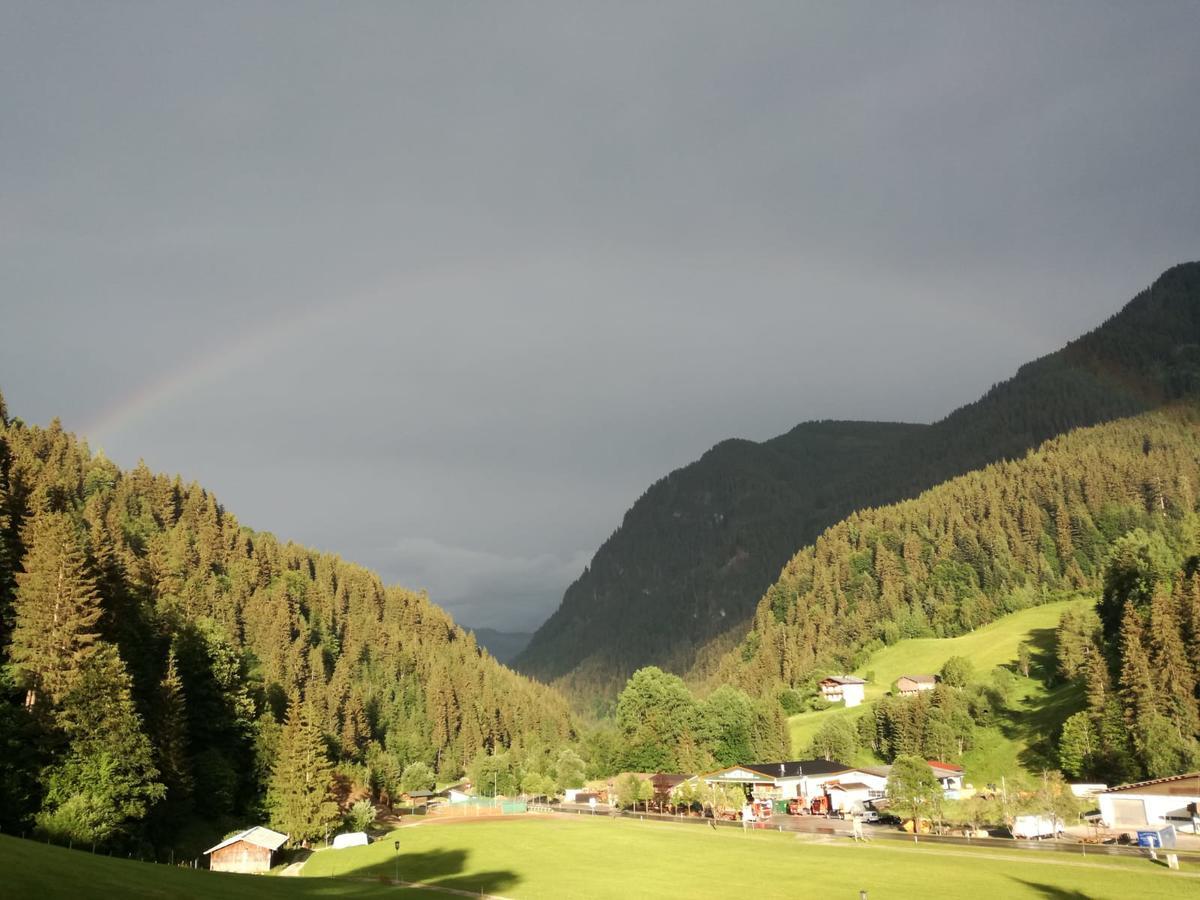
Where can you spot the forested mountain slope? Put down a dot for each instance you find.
(968, 551)
(139, 621)
(695, 553)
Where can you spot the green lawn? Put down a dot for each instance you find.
(29, 869)
(524, 857)
(607, 858)
(1002, 749)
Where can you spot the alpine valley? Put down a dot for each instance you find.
(678, 582)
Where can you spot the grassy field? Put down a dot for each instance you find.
(32, 870)
(524, 857)
(606, 858)
(1001, 749)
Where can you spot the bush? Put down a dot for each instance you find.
(792, 701)
(361, 815)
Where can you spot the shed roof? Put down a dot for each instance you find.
(945, 767)
(1141, 784)
(258, 836)
(920, 679)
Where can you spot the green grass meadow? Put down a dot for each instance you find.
(1001, 749)
(525, 857)
(625, 858)
(33, 870)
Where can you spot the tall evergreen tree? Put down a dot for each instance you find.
(107, 781)
(56, 610)
(1140, 698)
(354, 733)
(172, 738)
(1077, 746)
(1177, 680)
(301, 794)
(7, 580)
(1096, 682)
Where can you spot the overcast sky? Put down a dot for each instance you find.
(444, 287)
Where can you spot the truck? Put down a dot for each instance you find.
(1036, 827)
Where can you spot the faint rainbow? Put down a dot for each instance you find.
(215, 363)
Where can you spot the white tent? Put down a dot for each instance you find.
(351, 839)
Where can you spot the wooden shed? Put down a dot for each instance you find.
(249, 852)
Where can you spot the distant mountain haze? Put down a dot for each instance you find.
(695, 553)
(503, 645)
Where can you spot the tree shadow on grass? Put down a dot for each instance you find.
(437, 868)
(1038, 722)
(1052, 891)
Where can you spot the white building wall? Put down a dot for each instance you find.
(1157, 808)
(853, 694)
(791, 787)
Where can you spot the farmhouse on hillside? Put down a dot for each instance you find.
(911, 685)
(248, 852)
(843, 688)
(1160, 801)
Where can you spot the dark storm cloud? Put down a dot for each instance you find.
(444, 289)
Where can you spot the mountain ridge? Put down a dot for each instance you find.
(666, 584)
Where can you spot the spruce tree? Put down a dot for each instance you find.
(1077, 745)
(1190, 606)
(7, 581)
(1139, 691)
(171, 733)
(1140, 698)
(107, 781)
(354, 732)
(56, 610)
(301, 794)
(1096, 682)
(1175, 676)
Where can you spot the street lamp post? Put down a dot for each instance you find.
(397, 845)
